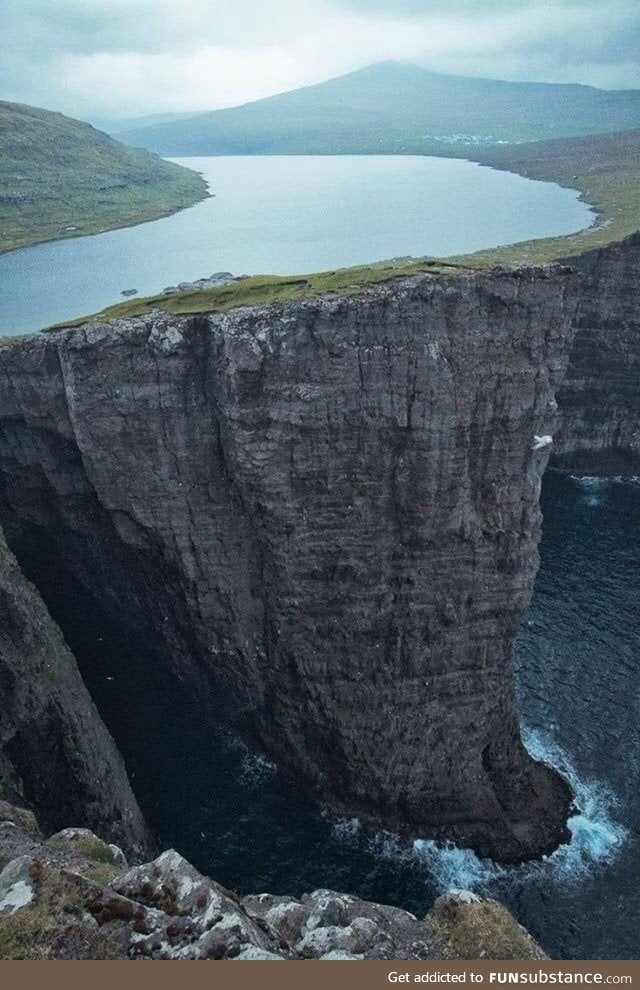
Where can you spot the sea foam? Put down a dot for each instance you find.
(595, 838)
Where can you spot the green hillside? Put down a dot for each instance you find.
(395, 108)
(62, 178)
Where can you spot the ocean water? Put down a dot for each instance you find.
(287, 215)
(239, 819)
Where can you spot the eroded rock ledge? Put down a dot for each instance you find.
(73, 896)
(317, 520)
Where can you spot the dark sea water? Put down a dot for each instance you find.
(237, 818)
(285, 216)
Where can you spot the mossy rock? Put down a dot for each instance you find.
(475, 928)
(54, 926)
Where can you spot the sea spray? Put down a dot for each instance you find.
(595, 837)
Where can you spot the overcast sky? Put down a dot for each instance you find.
(120, 58)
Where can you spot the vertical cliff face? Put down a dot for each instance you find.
(54, 749)
(316, 522)
(599, 427)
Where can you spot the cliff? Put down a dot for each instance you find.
(72, 896)
(599, 399)
(314, 524)
(54, 746)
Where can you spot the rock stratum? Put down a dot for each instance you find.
(53, 744)
(73, 896)
(317, 522)
(599, 399)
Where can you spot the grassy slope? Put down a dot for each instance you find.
(61, 178)
(395, 108)
(604, 168)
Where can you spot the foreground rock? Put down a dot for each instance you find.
(72, 896)
(321, 516)
(214, 281)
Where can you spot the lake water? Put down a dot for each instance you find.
(287, 215)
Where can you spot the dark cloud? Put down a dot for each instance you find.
(127, 57)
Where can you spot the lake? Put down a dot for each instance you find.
(288, 215)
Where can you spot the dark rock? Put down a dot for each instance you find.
(54, 748)
(599, 399)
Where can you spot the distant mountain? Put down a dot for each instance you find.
(395, 107)
(119, 124)
(60, 177)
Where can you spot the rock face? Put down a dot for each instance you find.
(599, 429)
(54, 746)
(319, 522)
(72, 896)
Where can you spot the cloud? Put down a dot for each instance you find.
(94, 58)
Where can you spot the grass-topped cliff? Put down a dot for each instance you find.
(60, 178)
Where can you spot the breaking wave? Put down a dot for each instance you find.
(595, 836)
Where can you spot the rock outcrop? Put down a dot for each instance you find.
(316, 520)
(73, 896)
(54, 746)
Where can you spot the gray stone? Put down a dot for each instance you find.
(17, 889)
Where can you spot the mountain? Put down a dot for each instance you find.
(60, 177)
(118, 124)
(395, 107)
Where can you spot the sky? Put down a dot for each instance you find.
(106, 59)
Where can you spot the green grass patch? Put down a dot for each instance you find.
(484, 930)
(263, 289)
(95, 849)
(53, 927)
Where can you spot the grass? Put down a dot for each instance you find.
(96, 849)
(53, 927)
(62, 178)
(262, 289)
(485, 930)
(91, 848)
